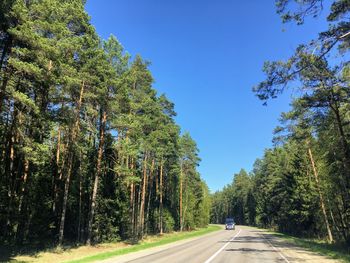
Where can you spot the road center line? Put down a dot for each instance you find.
(276, 249)
(222, 248)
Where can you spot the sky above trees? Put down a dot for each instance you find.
(206, 56)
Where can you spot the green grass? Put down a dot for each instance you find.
(339, 251)
(143, 245)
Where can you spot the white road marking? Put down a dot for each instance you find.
(277, 250)
(222, 248)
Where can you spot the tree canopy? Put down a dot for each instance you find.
(90, 152)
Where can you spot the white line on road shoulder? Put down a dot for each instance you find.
(222, 248)
(277, 250)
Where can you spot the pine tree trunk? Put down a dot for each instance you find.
(58, 150)
(137, 214)
(24, 185)
(322, 204)
(10, 172)
(80, 199)
(98, 174)
(132, 201)
(70, 165)
(132, 209)
(58, 155)
(150, 189)
(64, 204)
(12, 159)
(184, 204)
(180, 195)
(20, 225)
(157, 187)
(161, 199)
(143, 197)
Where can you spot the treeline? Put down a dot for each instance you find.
(302, 185)
(89, 151)
(235, 200)
(291, 189)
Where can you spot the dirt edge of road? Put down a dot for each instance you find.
(311, 249)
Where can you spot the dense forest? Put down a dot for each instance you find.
(301, 186)
(89, 151)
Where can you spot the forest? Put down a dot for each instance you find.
(90, 152)
(301, 185)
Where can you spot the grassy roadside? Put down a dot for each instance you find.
(335, 251)
(149, 244)
(105, 251)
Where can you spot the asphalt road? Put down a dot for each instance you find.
(244, 244)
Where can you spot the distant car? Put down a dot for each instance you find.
(229, 224)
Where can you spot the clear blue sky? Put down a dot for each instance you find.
(206, 55)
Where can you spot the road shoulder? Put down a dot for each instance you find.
(294, 252)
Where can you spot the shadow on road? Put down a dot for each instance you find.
(245, 239)
(249, 250)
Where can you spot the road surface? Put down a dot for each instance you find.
(244, 244)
